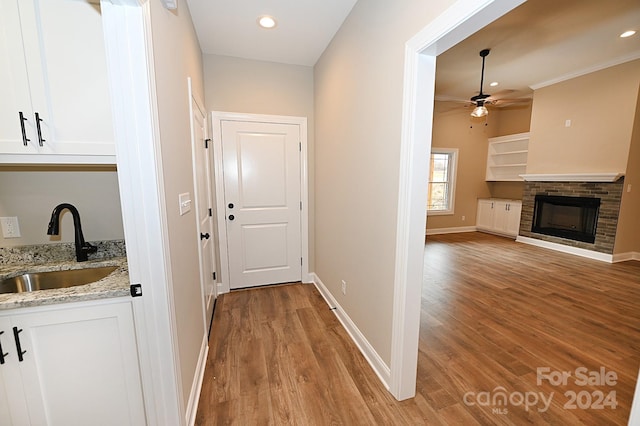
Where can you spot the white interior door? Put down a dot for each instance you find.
(262, 202)
(204, 205)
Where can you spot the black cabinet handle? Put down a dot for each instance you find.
(204, 236)
(38, 120)
(230, 205)
(24, 132)
(231, 217)
(16, 336)
(2, 353)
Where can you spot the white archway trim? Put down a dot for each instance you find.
(127, 31)
(462, 19)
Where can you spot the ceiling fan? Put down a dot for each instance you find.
(481, 98)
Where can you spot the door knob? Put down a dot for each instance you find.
(204, 236)
(231, 217)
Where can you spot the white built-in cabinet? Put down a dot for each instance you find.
(507, 157)
(70, 364)
(55, 105)
(499, 216)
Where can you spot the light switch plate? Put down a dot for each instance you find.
(184, 201)
(10, 227)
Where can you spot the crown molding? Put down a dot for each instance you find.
(617, 61)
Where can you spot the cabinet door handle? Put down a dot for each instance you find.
(2, 353)
(24, 132)
(38, 120)
(16, 336)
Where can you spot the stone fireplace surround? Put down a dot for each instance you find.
(610, 194)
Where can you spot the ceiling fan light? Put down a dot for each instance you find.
(480, 111)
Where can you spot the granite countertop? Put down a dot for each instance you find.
(115, 284)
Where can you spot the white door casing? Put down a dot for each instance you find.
(202, 176)
(262, 197)
(270, 204)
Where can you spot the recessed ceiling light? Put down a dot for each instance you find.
(627, 33)
(494, 84)
(267, 21)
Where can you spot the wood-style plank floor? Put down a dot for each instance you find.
(493, 312)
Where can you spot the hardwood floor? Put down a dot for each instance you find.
(493, 312)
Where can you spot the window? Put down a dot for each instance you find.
(442, 181)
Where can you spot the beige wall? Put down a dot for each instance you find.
(259, 87)
(453, 128)
(177, 56)
(358, 107)
(601, 107)
(511, 120)
(32, 193)
(628, 233)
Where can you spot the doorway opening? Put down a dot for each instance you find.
(462, 19)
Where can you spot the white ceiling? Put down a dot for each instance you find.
(305, 28)
(538, 43)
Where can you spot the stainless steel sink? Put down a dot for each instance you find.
(54, 279)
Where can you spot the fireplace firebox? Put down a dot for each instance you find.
(574, 218)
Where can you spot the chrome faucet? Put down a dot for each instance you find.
(82, 248)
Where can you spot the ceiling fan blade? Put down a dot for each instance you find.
(509, 102)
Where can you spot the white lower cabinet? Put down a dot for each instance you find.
(499, 216)
(73, 364)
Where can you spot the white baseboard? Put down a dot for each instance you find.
(623, 257)
(603, 257)
(456, 230)
(196, 387)
(381, 369)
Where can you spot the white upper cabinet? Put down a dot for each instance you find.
(53, 83)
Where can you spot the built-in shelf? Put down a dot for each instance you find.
(507, 157)
(511, 153)
(510, 165)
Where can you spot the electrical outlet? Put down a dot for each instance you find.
(10, 227)
(464, 218)
(344, 287)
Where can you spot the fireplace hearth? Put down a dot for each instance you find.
(574, 218)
